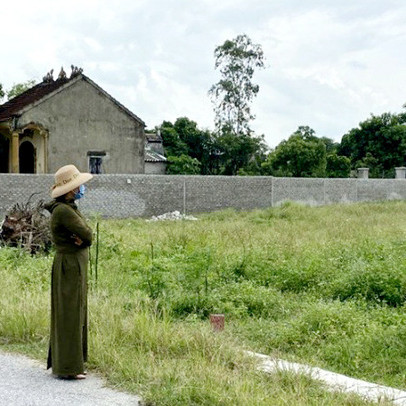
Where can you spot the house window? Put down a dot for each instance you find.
(96, 161)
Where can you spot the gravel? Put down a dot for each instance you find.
(24, 382)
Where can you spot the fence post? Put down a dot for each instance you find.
(400, 172)
(363, 173)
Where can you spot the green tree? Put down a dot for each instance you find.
(232, 95)
(376, 169)
(19, 88)
(172, 143)
(237, 152)
(331, 146)
(199, 142)
(302, 155)
(217, 153)
(379, 143)
(185, 138)
(183, 165)
(1, 92)
(338, 166)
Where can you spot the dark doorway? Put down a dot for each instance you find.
(4, 148)
(27, 157)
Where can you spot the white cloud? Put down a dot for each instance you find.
(330, 63)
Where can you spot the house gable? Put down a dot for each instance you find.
(72, 121)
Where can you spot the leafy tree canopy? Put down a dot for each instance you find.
(185, 138)
(302, 155)
(378, 143)
(172, 142)
(223, 153)
(242, 153)
(183, 164)
(338, 166)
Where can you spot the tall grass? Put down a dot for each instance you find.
(322, 285)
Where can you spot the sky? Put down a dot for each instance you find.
(329, 64)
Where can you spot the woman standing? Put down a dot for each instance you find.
(72, 238)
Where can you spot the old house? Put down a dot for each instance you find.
(69, 120)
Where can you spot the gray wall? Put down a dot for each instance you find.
(147, 195)
(80, 119)
(155, 168)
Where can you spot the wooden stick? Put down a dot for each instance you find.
(97, 250)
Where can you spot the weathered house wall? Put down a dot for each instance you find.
(81, 119)
(155, 168)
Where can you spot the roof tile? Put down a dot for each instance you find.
(16, 104)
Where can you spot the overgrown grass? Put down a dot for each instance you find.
(325, 285)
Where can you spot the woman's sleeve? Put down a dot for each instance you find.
(75, 224)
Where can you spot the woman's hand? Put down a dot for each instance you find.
(77, 240)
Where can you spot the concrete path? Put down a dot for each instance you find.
(337, 382)
(24, 382)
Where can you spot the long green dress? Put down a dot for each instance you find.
(68, 344)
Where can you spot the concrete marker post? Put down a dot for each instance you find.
(217, 322)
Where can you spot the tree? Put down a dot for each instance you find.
(238, 152)
(232, 95)
(302, 155)
(338, 166)
(1, 92)
(331, 146)
(183, 165)
(185, 138)
(379, 143)
(172, 143)
(376, 170)
(216, 153)
(19, 88)
(199, 142)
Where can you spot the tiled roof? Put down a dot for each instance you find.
(15, 105)
(153, 137)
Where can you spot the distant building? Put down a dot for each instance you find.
(70, 120)
(155, 161)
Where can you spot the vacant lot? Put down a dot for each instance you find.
(325, 286)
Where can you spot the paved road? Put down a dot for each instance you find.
(24, 382)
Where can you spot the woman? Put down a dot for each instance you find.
(72, 237)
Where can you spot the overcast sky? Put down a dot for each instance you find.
(329, 64)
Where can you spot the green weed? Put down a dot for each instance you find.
(322, 285)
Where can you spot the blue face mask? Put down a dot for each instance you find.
(81, 192)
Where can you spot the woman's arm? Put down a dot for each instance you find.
(74, 224)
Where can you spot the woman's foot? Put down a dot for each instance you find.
(70, 377)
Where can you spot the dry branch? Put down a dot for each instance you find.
(26, 226)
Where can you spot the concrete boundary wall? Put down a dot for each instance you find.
(147, 195)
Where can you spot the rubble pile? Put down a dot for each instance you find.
(174, 215)
(26, 226)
